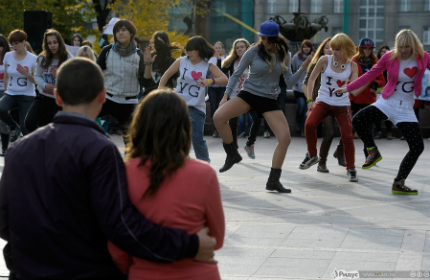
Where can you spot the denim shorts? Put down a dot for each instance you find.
(260, 104)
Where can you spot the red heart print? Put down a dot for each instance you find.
(196, 75)
(18, 70)
(410, 72)
(340, 83)
(1, 76)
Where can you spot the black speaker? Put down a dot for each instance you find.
(35, 25)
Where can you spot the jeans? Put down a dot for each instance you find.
(9, 102)
(199, 143)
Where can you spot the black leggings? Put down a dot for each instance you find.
(256, 123)
(10, 102)
(41, 112)
(362, 123)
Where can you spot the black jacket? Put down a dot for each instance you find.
(63, 194)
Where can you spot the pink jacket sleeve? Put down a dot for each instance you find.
(369, 76)
(214, 211)
(121, 258)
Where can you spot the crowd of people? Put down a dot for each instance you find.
(81, 212)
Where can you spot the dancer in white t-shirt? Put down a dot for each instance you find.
(20, 66)
(405, 69)
(4, 128)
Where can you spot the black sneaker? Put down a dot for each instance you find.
(309, 161)
(3, 152)
(400, 188)
(373, 157)
(14, 135)
(352, 175)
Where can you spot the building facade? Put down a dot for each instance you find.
(379, 20)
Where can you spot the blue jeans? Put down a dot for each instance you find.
(301, 110)
(199, 143)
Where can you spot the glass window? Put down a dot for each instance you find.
(363, 12)
(380, 23)
(379, 35)
(363, 2)
(363, 23)
(316, 6)
(426, 36)
(427, 5)
(362, 34)
(338, 6)
(271, 6)
(405, 5)
(380, 12)
(293, 6)
(371, 23)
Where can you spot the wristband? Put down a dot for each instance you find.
(209, 82)
(309, 99)
(213, 81)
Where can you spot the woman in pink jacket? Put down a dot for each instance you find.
(405, 68)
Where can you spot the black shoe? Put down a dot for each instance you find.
(3, 152)
(322, 167)
(14, 135)
(352, 175)
(273, 183)
(233, 156)
(400, 188)
(373, 157)
(309, 161)
(339, 155)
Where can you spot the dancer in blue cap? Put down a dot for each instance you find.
(267, 60)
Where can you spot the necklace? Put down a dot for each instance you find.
(335, 64)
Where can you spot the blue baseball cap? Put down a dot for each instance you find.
(269, 28)
(366, 42)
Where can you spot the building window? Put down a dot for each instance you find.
(316, 6)
(371, 20)
(427, 5)
(294, 6)
(338, 6)
(426, 35)
(271, 6)
(405, 5)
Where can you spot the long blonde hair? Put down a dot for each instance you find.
(318, 54)
(232, 56)
(407, 37)
(345, 45)
(282, 45)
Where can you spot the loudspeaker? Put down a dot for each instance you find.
(35, 25)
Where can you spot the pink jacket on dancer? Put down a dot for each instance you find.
(392, 67)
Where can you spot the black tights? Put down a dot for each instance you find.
(362, 123)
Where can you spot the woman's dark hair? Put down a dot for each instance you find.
(281, 44)
(5, 45)
(163, 49)
(47, 55)
(378, 54)
(160, 134)
(77, 35)
(128, 24)
(17, 36)
(361, 57)
(198, 43)
(307, 43)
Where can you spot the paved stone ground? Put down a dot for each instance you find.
(327, 222)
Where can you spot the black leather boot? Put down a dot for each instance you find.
(233, 156)
(4, 143)
(273, 183)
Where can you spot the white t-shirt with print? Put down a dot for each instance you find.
(187, 86)
(408, 70)
(18, 83)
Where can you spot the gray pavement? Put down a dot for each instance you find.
(326, 223)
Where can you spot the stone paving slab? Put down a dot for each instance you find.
(326, 222)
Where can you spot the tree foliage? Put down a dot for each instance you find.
(68, 16)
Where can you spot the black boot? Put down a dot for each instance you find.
(233, 156)
(4, 143)
(273, 183)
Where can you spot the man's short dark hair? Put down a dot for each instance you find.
(79, 81)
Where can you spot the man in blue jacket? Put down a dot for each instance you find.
(63, 194)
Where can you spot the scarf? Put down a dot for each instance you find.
(125, 51)
(365, 66)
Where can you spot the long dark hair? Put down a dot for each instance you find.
(198, 43)
(47, 55)
(282, 46)
(163, 50)
(361, 58)
(160, 133)
(5, 45)
(307, 43)
(378, 54)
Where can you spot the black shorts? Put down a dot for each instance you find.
(260, 104)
